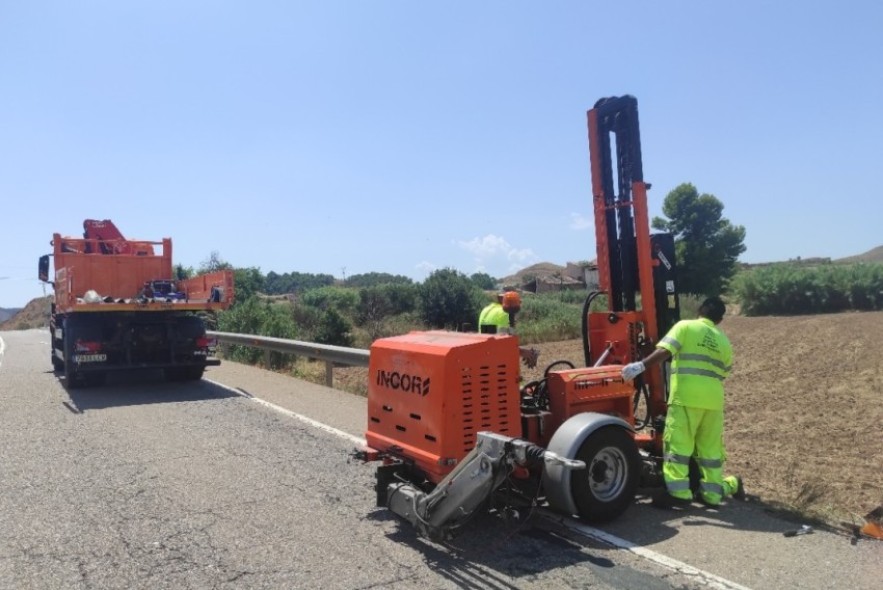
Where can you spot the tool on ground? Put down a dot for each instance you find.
(803, 530)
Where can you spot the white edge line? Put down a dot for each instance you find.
(709, 579)
(314, 423)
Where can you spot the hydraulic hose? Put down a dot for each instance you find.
(587, 304)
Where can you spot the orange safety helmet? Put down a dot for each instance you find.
(511, 301)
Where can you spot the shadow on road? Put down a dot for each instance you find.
(492, 552)
(645, 525)
(140, 388)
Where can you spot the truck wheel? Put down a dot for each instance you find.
(606, 487)
(73, 379)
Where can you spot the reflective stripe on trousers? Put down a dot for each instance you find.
(694, 432)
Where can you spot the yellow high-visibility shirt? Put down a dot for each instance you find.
(493, 315)
(702, 358)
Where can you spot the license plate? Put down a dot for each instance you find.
(90, 358)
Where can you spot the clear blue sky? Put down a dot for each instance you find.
(401, 137)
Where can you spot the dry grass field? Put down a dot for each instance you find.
(804, 417)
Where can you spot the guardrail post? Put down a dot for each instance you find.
(267, 359)
(329, 373)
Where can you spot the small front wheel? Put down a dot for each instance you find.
(606, 487)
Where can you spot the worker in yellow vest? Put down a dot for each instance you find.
(499, 318)
(701, 358)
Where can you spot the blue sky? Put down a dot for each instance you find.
(401, 137)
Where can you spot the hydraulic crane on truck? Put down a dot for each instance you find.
(453, 430)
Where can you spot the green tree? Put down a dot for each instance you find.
(247, 282)
(214, 262)
(342, 299)
(334, 329)
(449, 299)
(373, 279)
(183, 272)
(483, 280)
(707, 245)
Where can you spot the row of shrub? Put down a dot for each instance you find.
(789, 289)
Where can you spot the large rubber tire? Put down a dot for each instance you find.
(57, 365)
(606, 487)
(74, 379)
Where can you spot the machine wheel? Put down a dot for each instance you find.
(606, 487)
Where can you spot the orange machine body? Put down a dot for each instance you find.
(430, 393)
(590, 389)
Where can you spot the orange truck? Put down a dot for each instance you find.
(119, 307)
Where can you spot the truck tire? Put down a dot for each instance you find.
(57, 365)
(606, 487)
(74, 378)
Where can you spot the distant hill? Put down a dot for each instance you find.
(872, 255)
(5, 314)
(534, 271)
(34, 315)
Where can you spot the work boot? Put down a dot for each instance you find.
(662, 499)
(739, 494)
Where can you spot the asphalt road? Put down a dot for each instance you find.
(244, 480)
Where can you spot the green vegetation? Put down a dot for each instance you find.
(793, 289)
(707, 245)
(376, 305)
(449, 299)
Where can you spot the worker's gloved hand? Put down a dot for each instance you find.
(632, 370)
(530, 356)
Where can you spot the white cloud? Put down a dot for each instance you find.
(580, 222)
(496, 256)
(489, 245)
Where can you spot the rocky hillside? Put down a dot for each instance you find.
(34, 315)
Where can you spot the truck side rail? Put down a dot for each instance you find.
(332, 355)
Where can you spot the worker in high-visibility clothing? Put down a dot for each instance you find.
(494, 319)
(702, 358)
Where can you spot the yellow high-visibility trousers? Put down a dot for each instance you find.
(695, 433)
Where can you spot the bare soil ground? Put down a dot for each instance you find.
(804, 417)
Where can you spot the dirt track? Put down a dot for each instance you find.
(804, 418)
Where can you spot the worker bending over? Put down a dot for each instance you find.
(701, 359)
(498, 317)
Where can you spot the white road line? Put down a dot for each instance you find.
(707, 578)
(314, 423)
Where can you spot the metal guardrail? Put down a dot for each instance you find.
(332, 355)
